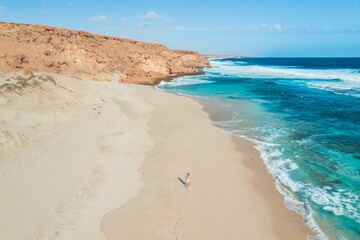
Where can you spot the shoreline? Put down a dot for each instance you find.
(264, 181)
(265, 185)
(244, 198)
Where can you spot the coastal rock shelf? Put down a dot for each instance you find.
(33, 48)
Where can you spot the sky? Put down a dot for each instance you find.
(269, 28)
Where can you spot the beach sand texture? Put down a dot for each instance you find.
(70, 153)
(99, 160)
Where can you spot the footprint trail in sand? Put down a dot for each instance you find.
(178, 220)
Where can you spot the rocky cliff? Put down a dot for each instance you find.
(33, 48)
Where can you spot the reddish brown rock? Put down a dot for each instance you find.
(34, 48)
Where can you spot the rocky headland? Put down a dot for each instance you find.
(29, 48)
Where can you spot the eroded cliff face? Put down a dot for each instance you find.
(33, 48)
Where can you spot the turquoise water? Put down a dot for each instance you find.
(304, 116)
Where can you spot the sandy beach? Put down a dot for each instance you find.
(102, 160)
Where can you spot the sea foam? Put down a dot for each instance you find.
(181, 81)
(339, 81)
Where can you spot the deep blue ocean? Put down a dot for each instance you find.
(304, 116)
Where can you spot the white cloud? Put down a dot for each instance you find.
(278, 27)
(98, 19)
(260, 28)
(153, 15)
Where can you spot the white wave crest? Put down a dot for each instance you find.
(339, 81)
(181, 81)
(229, 67)
(343, 88)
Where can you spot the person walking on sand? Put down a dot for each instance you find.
(187, 180)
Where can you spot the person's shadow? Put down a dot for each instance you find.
(182, 181)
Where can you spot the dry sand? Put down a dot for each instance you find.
(94, 160)
(70, 153)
